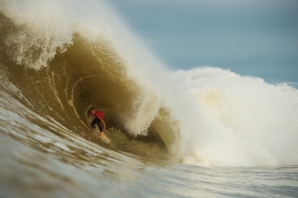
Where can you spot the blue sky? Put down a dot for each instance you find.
(249, 37)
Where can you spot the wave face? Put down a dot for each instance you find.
(59, 58)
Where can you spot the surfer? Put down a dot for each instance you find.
(98, 120)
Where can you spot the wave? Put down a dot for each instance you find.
(59, 58)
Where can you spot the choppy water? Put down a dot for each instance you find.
(47, 165)
(207, 132)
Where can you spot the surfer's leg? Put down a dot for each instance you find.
(94, 122)
(100, 128)
(97, 122)
(99, 125)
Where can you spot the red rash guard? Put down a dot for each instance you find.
(98, 114)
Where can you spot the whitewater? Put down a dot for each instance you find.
(205, 132)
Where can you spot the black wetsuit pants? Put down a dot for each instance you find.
(98, 122)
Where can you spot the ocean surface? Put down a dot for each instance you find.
(204, 132)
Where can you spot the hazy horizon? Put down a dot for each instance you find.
(249, 37)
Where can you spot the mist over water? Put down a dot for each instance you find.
(239, 121)
(65, 56)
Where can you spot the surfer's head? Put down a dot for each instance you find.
(92, 110)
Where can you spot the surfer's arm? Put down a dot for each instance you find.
(89, 115)
(104, 124)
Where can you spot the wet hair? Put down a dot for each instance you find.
(91, 108)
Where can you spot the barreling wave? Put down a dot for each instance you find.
(59, 58)
(63, 73)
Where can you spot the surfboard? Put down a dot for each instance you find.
(105, 139)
